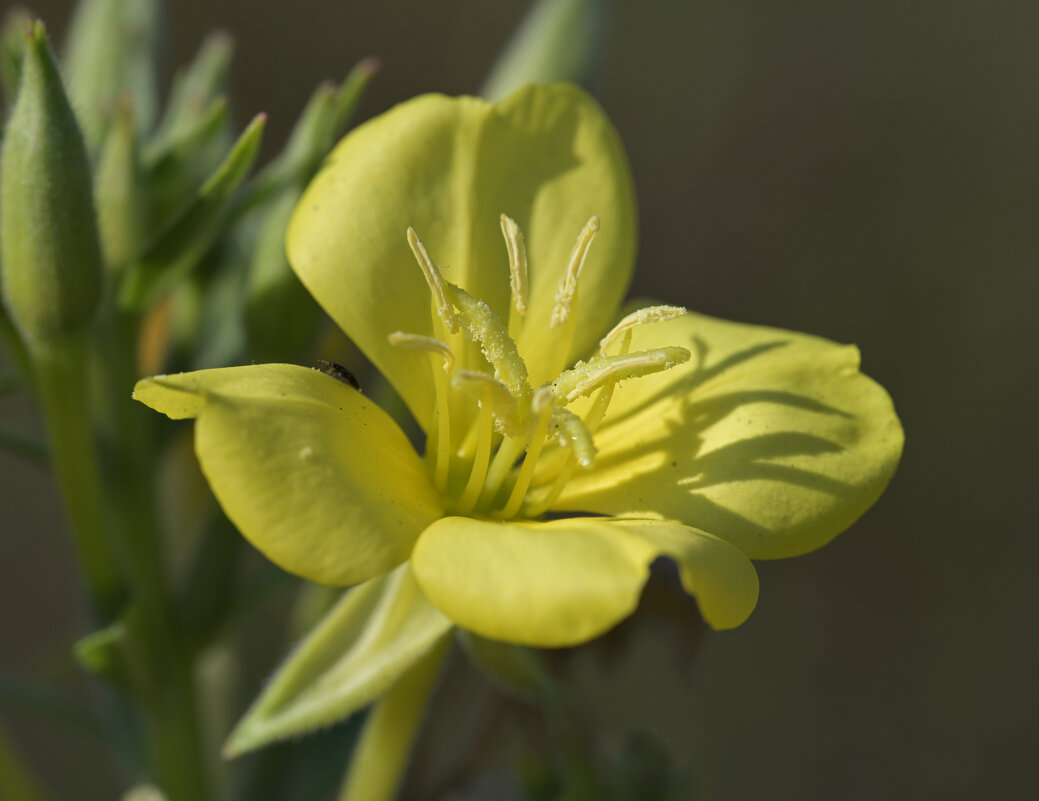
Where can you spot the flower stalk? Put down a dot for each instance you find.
(381, 758)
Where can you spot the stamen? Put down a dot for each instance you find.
(539, 507)
(651, 314)
(418, 342)
(517, 273)
(443, 439)
(506, 455)
(471, 493)
(435, 281)
(542, 407)
(485, 328)
(585, 377)
(568, 284)
(572, 433)
(495, 395)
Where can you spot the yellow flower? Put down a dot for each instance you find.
(548, 484)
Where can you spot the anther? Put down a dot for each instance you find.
(651, 314)
(517, 263)
(492, 392)
(435, 281)
(572, 433)
(568, 284)
(587, 376)
(485, 328)
(418, 342)
(443, 413)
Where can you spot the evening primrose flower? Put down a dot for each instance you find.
(567, 445)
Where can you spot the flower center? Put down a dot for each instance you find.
(499, 448)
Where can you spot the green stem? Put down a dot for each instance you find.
(381, 757)
(15, 779)
(61, 376)
(176, 748)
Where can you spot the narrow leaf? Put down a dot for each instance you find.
(176, 169)
(362, 646)
(559, 40)
(195, 89)
(184, 242)
(324, 118)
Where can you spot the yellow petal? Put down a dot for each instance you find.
(314, 474)
(716, 573)
(772, 440)
(547, 156)
(564, 582)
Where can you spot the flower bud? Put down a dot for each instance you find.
(50, 258)
(120, 193)
(12, 37)
(110, 52)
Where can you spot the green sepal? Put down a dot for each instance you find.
(358, 651)
(12, 47)
(559, 40)
(51, 259)
(120, 192)
(518, 670)
(109, 52)
(180, 248)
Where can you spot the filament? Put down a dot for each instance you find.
(542, 406)
(485, 424)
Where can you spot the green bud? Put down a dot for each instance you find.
(109, 53)
(559, 40)
(12, 45)
(120, 194)
(50, 258)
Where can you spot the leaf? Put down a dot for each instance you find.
(559, 40)
(369, 640)
(184, 242)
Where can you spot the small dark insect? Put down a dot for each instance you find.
(338, 372)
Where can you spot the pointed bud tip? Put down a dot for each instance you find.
(370, 65)
(36, 32)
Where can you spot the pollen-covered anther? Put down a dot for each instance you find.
(568, 283)
(585, 377)
(435, 281)
(517, 263)
(487, 388)
(571, 432)
(403, 339)
(650, 314)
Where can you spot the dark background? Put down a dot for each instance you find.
(862, 170)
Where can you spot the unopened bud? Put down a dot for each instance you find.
(50, 258)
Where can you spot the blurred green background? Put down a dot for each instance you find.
(865, 171)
